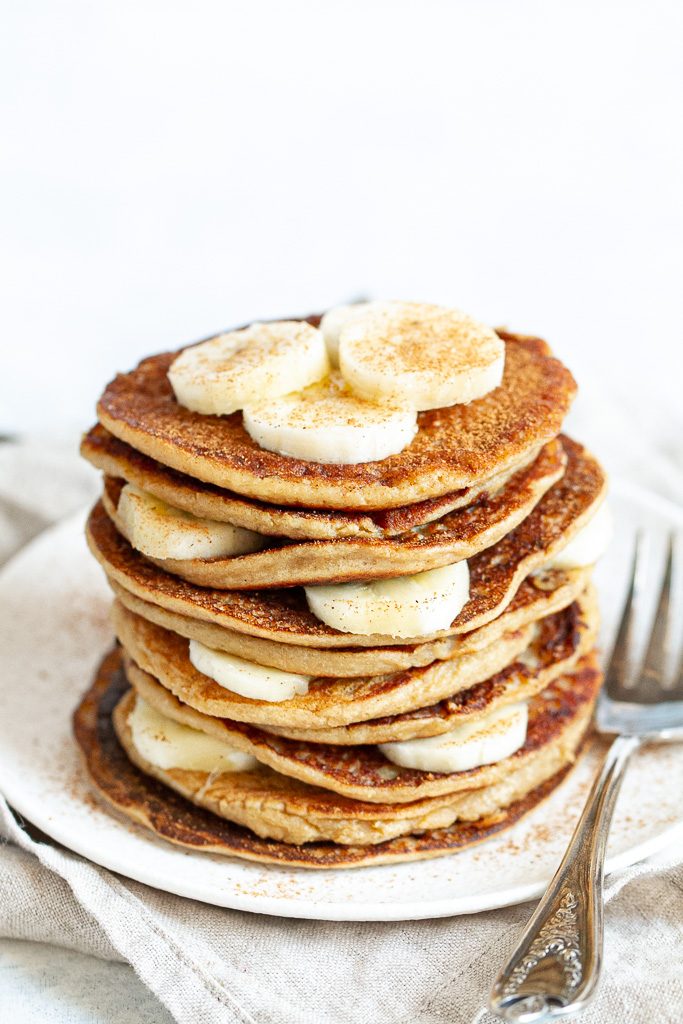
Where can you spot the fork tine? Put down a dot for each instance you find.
(617, 671)
(675, 691)
(652, 677)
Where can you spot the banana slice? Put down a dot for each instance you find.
(245, 677)
(162, 531)
(469, 745)
(326, 423)
(169, 744)
(424, 356)
(338, 317)
(404, 607)
(589, 544)
(263, 361)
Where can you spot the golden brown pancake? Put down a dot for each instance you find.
(276, 807)
(364, 773)
(282, 615)
(417, 702)
(119, 460)
(557, 643)
(539, 595)
(456, 536)
(329, 702)
(454, 448)
(166, 814)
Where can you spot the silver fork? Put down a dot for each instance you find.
(554, 970)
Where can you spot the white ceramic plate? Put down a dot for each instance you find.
(53, 631)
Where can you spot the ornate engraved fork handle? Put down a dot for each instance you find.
(554, 970)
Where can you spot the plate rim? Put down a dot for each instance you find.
(308, 909)
(318, 909)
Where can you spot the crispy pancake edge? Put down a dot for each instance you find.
(460, 534)
(559, 644)
(117, 459)
(165, 656)
(151, 805)
(282, 615)
(454, 447)
(530, 603)
(363, 773)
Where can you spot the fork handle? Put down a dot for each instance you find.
(554, 970)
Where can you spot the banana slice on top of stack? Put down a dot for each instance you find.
(327, 423)
(223, 374)
(395, 359)
(351, 558)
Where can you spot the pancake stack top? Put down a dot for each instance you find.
(351, 561)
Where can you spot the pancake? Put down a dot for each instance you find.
(282, 615)
(364, 773)
(458, 535)
(275, 807)
(329, 702)
(557, 644)
(539, 595)
(119, 460)
(454, 448)
(166, 814)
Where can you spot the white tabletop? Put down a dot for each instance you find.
(58, 986)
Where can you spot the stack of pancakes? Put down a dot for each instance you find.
(493, 482)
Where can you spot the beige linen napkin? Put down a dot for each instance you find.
(213, 965)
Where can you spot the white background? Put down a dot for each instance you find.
(170, 169)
